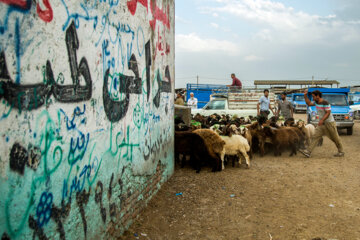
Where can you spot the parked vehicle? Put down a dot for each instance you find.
(242, 104)
(202, 92)
(354, 98)
(356, 109)
(298, 102)
(340, 108)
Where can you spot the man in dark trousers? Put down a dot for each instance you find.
(264, 105)
(285, 107)
(326, 125)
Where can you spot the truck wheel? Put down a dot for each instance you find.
(349, 131)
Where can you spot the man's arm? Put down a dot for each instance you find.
(291, 110)
(278, 111)
(307, 100)
(271, 108)
(327, 114)
(257, 107)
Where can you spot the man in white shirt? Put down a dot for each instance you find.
(192, 102)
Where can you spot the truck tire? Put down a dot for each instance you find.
(349, 131)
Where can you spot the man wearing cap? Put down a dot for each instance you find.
(192, 101)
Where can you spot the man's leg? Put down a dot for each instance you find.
(264, 114)
(332, 133)
(319, 132)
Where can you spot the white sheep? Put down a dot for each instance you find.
(236, 145)
(311, 131)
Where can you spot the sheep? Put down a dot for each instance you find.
(236, 145)
(245, 132)
(310, 131)
(258, 135)
(216, 128)
(286, 136)
(214, 143)
(289, 122)
(188, 143)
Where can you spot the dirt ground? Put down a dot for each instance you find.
(277, 198)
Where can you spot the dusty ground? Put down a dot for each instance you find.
(278, 198)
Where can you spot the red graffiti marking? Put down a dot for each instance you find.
(45, 15)
(160, 15)
(161, 46)
(132, 4)
(23, 4)
(157, 13)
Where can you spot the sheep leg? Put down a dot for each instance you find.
(182, 160)
(262, 147)
(320, 143)
(197, 163)
(243, 152)
(293, 149)
(222, 155)
(250, 152)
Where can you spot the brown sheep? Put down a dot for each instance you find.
(188, 143)
(282, 137)
(214, 143)
(258, 136)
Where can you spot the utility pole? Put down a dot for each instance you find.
(312, 83)
(197, 79)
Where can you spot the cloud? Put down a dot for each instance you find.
(194, 43)
(214, 25)
(253, 58)
(283, 24)
(181, 20)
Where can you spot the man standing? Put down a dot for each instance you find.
(263, 105)
(285, 107)
(326, 125)
(236, 82)
(179, 99)
(192, 101)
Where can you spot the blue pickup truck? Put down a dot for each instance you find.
(298, 102)
(340, 108)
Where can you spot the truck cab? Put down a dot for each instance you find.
(340, 108)
(298, 102)
(242, 104)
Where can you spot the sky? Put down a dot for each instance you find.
(267, 40)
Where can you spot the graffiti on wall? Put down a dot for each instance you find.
(87, 120)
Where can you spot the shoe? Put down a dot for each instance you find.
(305, 152)
(339, 154)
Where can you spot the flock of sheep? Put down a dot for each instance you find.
(215, 139)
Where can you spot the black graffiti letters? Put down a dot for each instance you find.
(75, 92)
(116, 109)
(148, 64)
(18, 158)
(33, 96)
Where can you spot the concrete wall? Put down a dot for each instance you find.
(86, 114)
